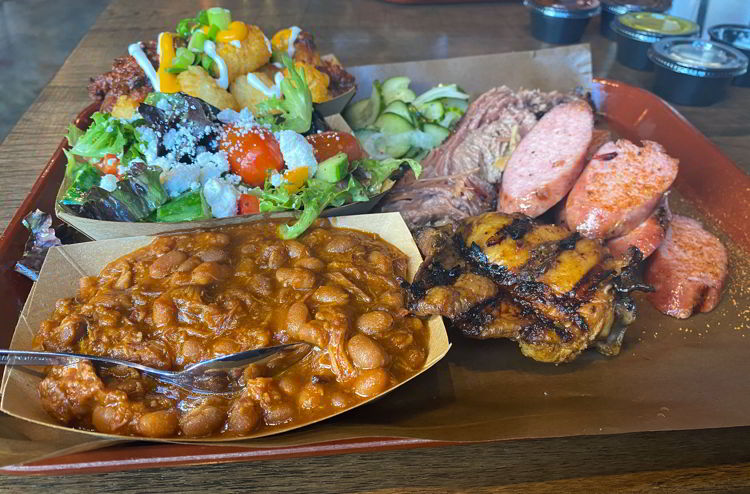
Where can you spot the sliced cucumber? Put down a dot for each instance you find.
(405, 95)
(421, 154)
(451, 117)
(440, 92)
(437, 132)
(432, 111)
(412, 152)
(399, 108)
(390, 124)
(393, 86)
(363, 113)
(373, 142)
(460, 104)
(397, 145)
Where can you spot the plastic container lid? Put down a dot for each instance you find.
(567, 9)
(652, 26)
(620, 7)
(736, 35)
(698, 57)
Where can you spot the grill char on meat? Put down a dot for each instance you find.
(125, 78)
(459, 178)
(508, 276)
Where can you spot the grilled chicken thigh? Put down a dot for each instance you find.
(507, 276)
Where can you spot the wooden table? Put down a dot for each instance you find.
(365, 32)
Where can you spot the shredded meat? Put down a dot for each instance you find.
(440, 200)
(125, 78)
(460, 177)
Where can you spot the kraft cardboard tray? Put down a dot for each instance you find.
(671, 375)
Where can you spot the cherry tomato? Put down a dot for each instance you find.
(331, 143)
(108, 164)
(251, 152)
(248, 204)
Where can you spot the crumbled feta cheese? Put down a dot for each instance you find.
(244, 118)
(108, 182)
(297, 151)
(221, 198)
(149, 144)
(181, 178)
(276, 179)
(233, 179)
(236, 43)
(212, 165)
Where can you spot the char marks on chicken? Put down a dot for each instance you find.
(508, 276)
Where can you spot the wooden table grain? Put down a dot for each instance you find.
(365, 32)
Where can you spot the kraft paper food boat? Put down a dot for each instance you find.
(337, 104)
(101, 230)
(66, 264)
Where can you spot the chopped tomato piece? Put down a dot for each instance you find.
(296, 179)
(248, 204)
(331, 143)
(108, 165)
(252, 153)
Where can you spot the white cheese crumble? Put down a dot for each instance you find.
(297, 151)
(150, 142)
(108, 182)
(244, 118)
(236, 43)
(276, 179)
(221, 197)
(181, 178)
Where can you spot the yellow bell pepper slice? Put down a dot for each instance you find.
(168, 83)
(296, 178)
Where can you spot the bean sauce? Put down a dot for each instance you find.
(191, 297)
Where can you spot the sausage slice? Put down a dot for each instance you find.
(619, 188)
(688, 271)
(547, 161)
(647, 236)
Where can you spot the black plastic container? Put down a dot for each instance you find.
(614, 8)
(637, 31)
(738, 36)
(695, 72)
(561, 21)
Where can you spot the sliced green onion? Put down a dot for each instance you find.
(183, 59)
(196, 42)
(176, 70)
(212, 32)
(184, 27)
(207, 62)
(202, 18)
(219, 17)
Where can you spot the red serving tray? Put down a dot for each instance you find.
(718, 187)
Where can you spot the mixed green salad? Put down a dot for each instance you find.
(394, 122)
(181, 159)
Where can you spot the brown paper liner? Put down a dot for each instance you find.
(58, 278)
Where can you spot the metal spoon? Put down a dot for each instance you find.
(210, 376)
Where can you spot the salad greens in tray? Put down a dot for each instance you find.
(179, 158)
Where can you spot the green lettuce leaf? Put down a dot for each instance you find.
(108, 135)
(376, 175)
(294, 111)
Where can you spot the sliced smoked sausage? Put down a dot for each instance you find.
(619, 188)
(688, 271)
(647, 236)
(547, 161)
